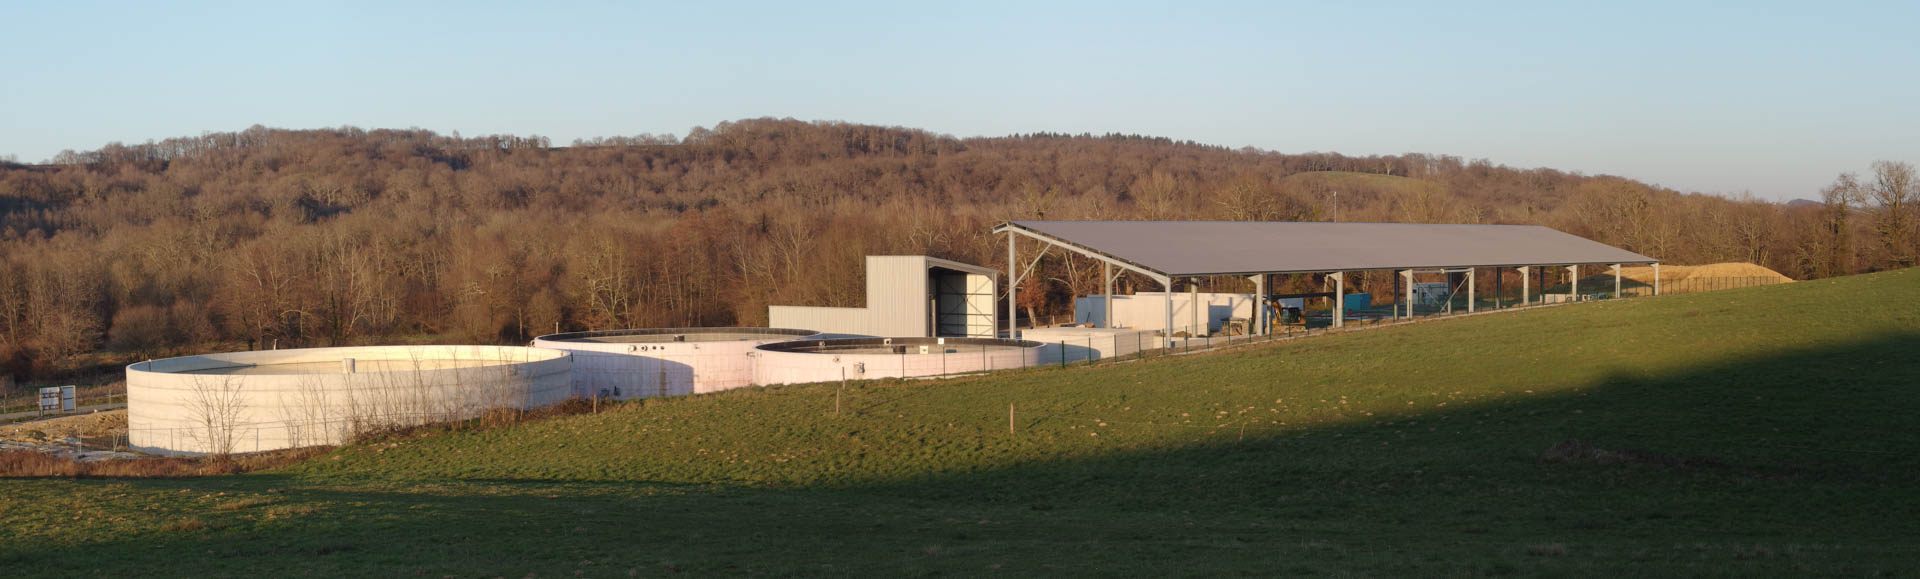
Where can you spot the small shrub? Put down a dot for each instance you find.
(287, 511)
(24, 463)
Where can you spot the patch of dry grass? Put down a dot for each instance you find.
(30, 464)
(184, 526)
(243, 503)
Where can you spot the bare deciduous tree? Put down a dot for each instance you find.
(216, 403)
(1893, 198)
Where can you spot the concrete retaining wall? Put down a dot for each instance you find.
(1072, 344)
(818, 360)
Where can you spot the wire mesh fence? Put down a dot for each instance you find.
(1696, 285)
(85, 396)
(270, 435)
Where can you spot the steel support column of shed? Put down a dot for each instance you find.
(1526, 274)
(1013, 258)
(1396, 293)
(1106, 278)
(1616, 281)
(1408, 273)
(1259, 305)
(1339, 298)
(1470, 284)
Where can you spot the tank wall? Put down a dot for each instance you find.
(650, 370)
(771, 367)
(173, 413)
(1081, 344)
(846, 321)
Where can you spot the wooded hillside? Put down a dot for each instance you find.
(321, 237)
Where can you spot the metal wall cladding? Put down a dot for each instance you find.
(903, 299)
(241, 402)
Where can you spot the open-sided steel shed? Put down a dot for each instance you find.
(1165, 251)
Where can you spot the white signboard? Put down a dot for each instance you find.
(50, 399)
(57, 399)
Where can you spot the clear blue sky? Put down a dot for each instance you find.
(1772, 98)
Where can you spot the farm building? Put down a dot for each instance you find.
(908, 296)
(923, 316)
(1167, 252)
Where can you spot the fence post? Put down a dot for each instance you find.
(1063, 353)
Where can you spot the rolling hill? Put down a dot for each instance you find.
(1717, 434)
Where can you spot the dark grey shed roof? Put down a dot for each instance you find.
(1197, 248)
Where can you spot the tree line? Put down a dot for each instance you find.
(269, 237)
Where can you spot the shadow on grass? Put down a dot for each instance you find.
(1800, 462)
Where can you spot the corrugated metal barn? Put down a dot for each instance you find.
(908, 296)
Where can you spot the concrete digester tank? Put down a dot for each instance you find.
(803, 361)
(274, 399)
(647, 363)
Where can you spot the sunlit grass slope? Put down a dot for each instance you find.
(1757, 431)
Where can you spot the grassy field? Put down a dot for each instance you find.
(1757, 431)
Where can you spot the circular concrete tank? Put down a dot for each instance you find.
(267, 400)
(649, 363)
(803, 361)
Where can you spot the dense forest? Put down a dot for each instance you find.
(339, 236)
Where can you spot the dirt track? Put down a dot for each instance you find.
(84, 427)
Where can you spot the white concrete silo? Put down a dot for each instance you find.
(274, 399)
